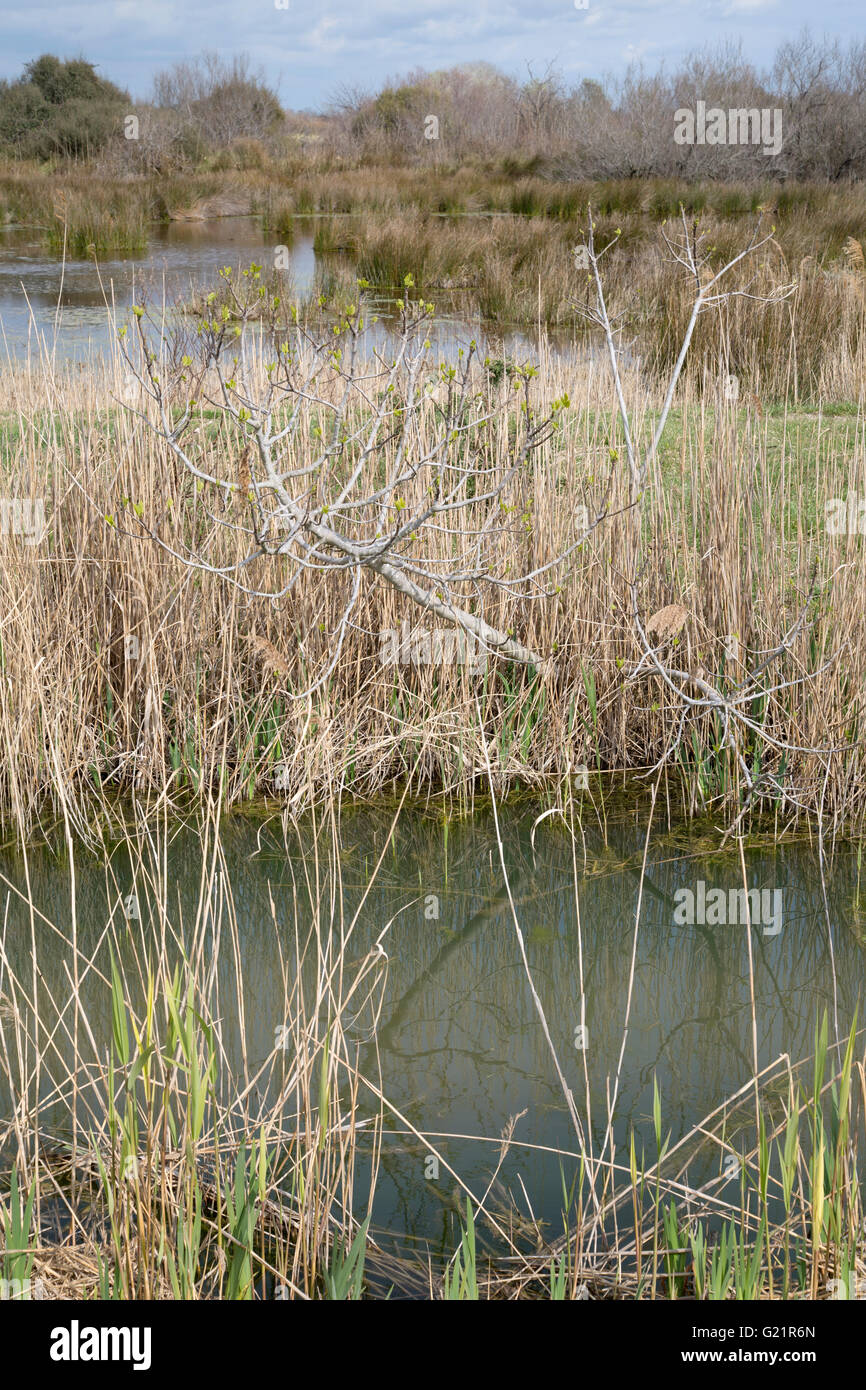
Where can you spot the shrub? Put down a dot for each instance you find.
(59, 108)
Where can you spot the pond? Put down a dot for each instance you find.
(458, 1048)
(67, 309)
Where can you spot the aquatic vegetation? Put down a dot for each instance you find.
(479, 245)
(150, 1150)
(125, 671)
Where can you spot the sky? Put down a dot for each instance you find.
(310, 49)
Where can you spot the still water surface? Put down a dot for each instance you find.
(459, 1046)
(66, 310)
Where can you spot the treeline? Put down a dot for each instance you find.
(622, 128)
(64, 110)
(212, 113)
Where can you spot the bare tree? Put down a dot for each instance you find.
(692, 692)
(220, 101)
(690, 252)
(540, 100)
(384, 466)
(354, 464)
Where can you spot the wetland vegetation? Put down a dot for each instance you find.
(334, 964)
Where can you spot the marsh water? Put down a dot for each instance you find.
(70, 309)
(459, 1048)
(66, 306)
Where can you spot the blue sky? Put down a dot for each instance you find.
(312, 47)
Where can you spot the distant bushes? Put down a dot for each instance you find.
(205, 110)
(220, 101)
(206, 114)
(214, 114)
(60, 109)
(622, 128)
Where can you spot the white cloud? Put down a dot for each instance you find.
(747, 6)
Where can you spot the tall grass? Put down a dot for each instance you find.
(123, 670)
(501, 246)
(520, 271)
(148, 1150)
(164, 1166)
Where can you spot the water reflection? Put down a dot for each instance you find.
(67, 309)
(459, 1048)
